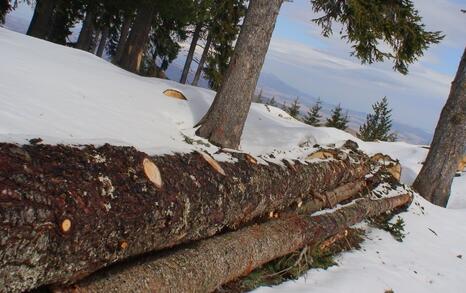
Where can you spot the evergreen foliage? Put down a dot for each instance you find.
(259, 98)
(272, 102)
(224, 28)
(313, 116)
(368, 24)
(338, 119)
(294, 108)
(378, 124)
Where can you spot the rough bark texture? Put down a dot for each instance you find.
(200, 66)
(123, 37)
(87, 31)
(134, 48)
(448, 146)
(66, 212)
(206, 265)
(224, 122)
(42, 19)
(192, 48)
(103, 42)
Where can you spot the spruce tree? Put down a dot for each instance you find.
(284, 106)
(313, 116)
(294, 108)
(272, 102)
(259, 98)
(337, 119)
(378, 124)
(224, 31)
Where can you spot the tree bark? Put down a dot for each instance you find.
(123, 37)
(192, 49)
(203, 59)
(42, 19)
(5, 7)
(448, 146)
(103, 42)
(224, 122)
(87, 31)
(134, 48)
(66, 212)
(206, 265)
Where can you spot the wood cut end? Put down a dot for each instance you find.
(393, 167)
(212, 162)
(124, 245)
(152, 173)
(321, 155)
(65, 225)
(250, 159)
(175, 94)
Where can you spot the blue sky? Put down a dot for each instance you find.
(302, 58)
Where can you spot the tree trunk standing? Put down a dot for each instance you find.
(448, 146)
(123, 37)
(5, 7)
(210, 263)
(66, 212)
(103, 42)
(42, 19)
(203, 59)
(224, 122)
(87, 31)
(60, 27)
(192, 49)
(134, 48)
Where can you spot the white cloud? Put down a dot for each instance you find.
(324, 67)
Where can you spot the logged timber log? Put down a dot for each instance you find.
(66, 212)
(205, 266)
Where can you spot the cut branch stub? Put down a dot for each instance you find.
(65, 225)
(152, 173)
(212, 162)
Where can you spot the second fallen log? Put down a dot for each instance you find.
(210, 263)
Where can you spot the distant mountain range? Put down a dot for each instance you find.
(273, 86)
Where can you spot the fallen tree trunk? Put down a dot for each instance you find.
(66, 212)
(223, 258)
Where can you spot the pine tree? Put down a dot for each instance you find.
(313, 116)
(294, 108)
(284, 106)
(272, 102)
(337, 119)
(259, 98)
(378, 124)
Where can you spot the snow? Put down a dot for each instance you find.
(63, 95)
(426, 261)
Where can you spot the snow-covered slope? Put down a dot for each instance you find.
(65, 95)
